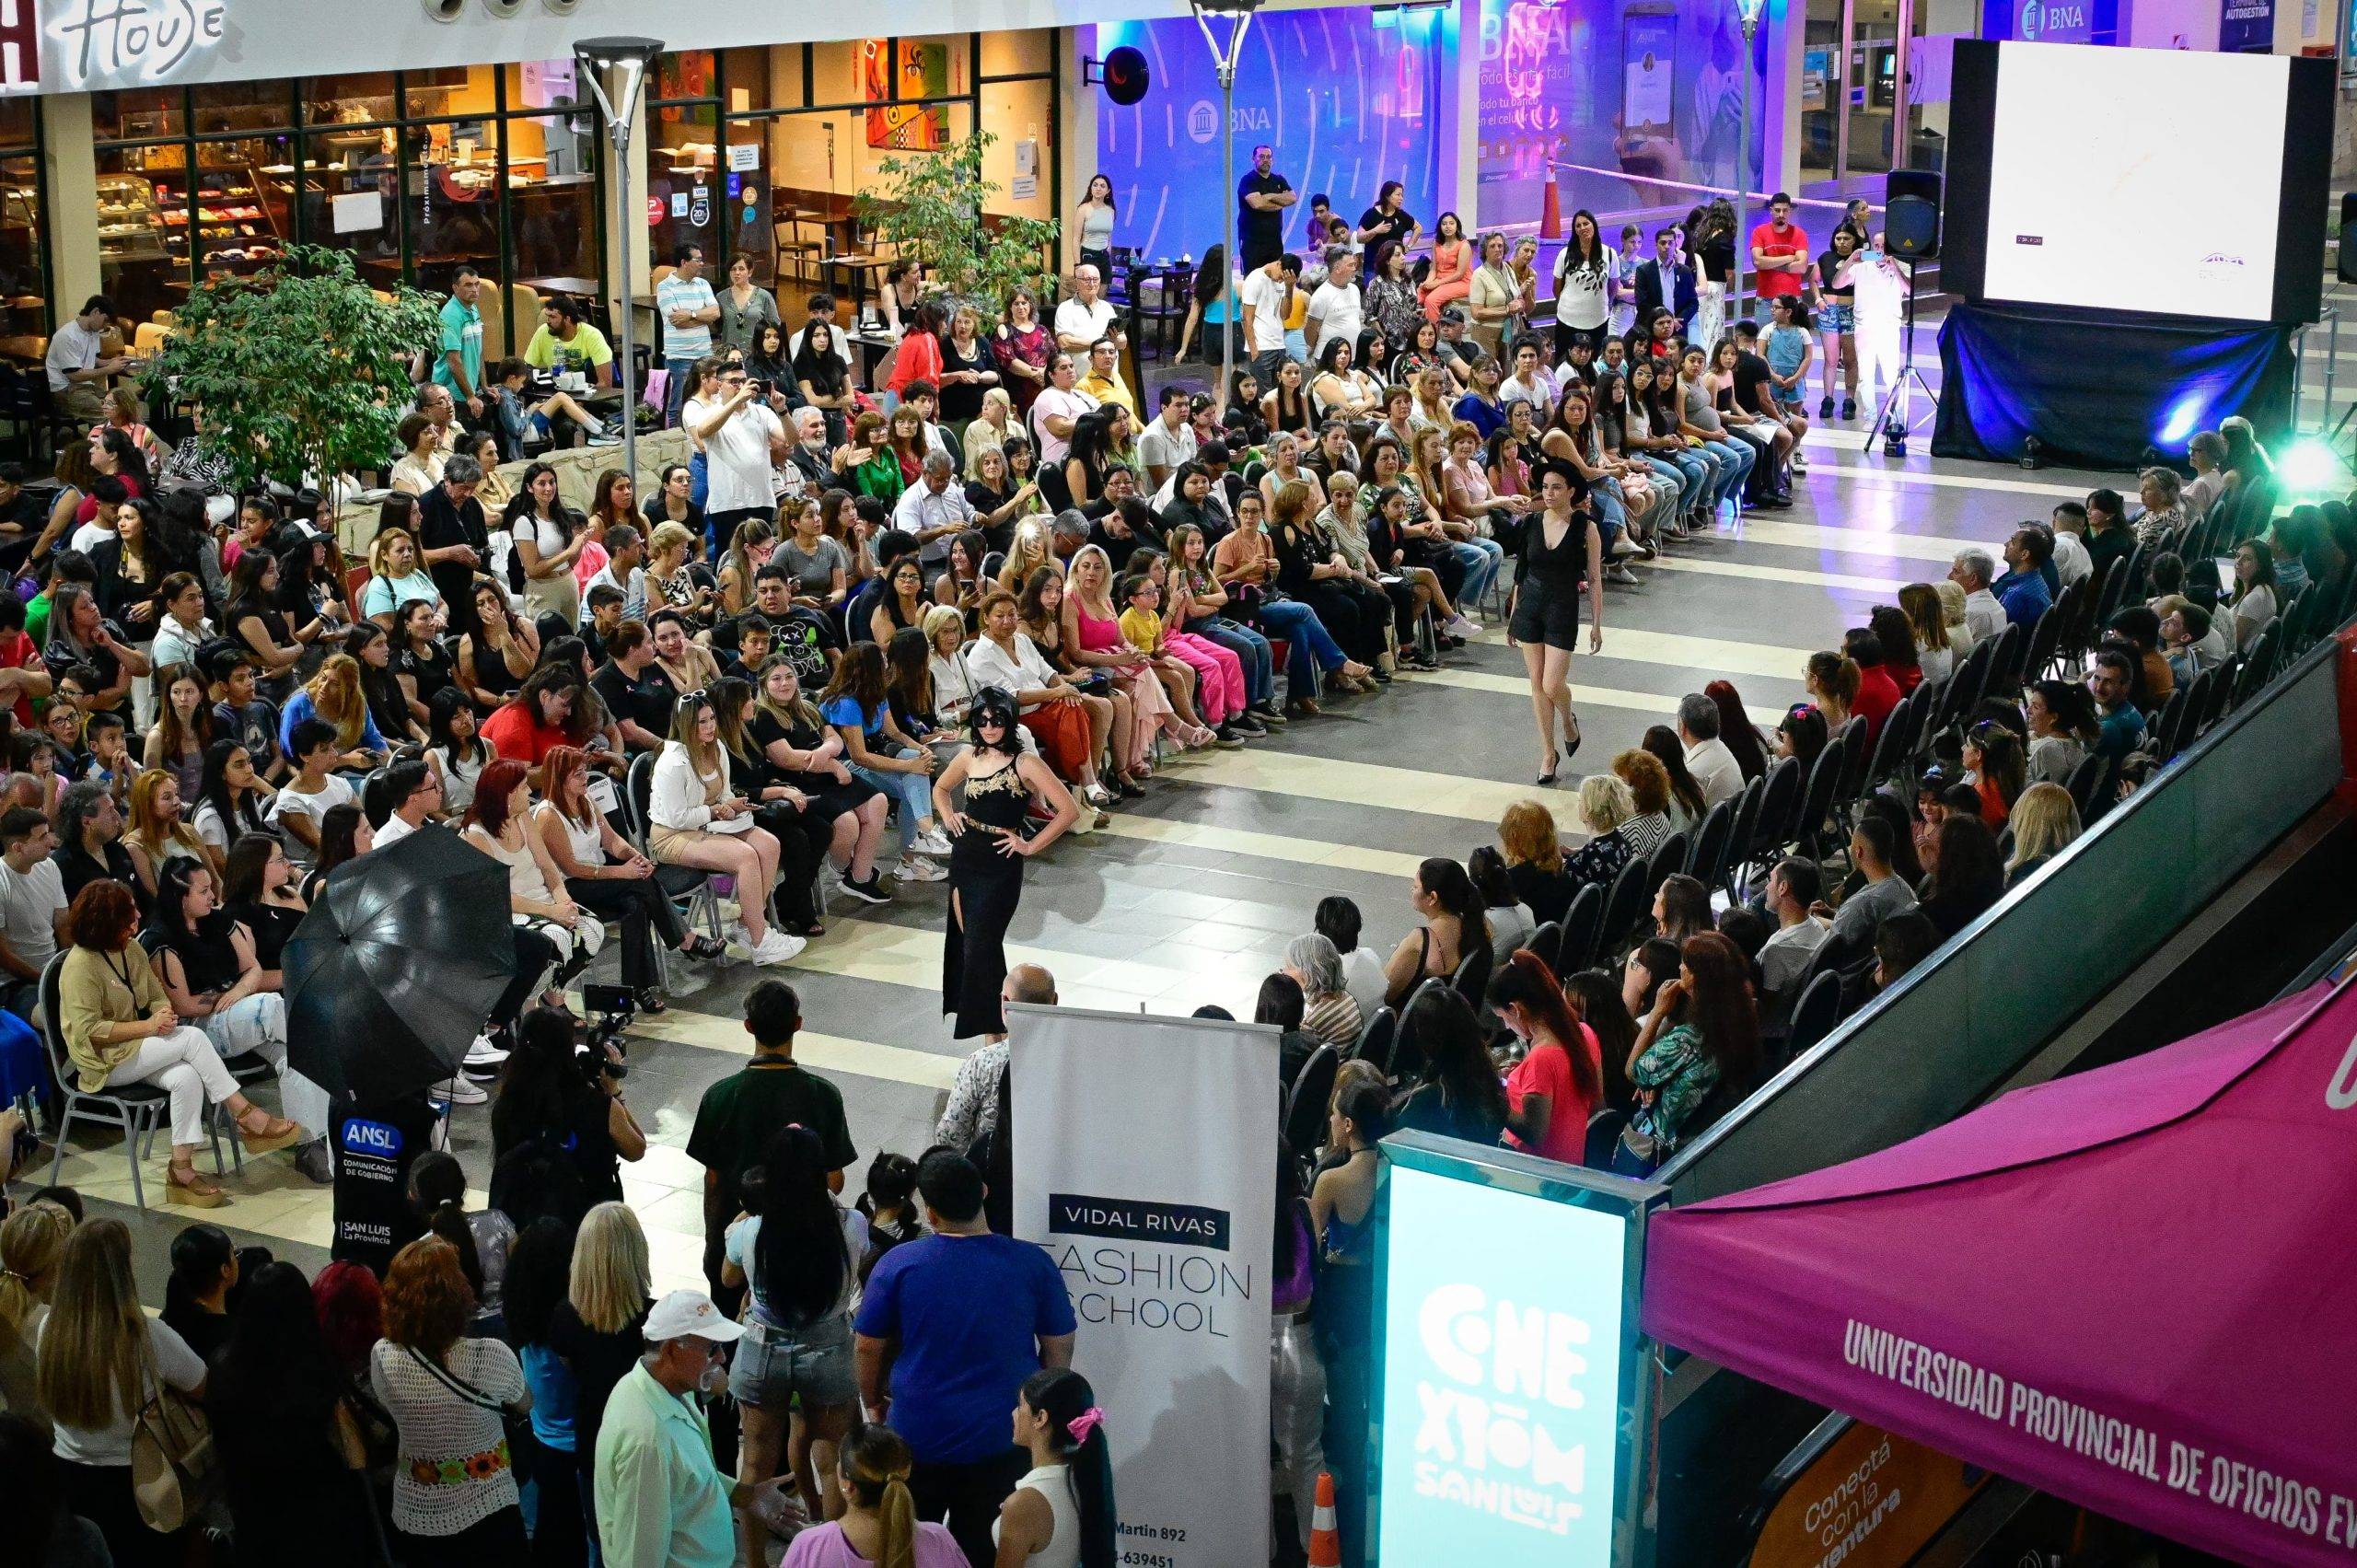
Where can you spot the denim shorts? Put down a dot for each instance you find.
(773, 1366)
(1837, 315)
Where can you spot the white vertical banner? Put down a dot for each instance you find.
(1145, 1154)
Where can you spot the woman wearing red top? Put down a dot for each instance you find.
(1999, 767)
(919, 358)
(531, 724)
(1878, 692)
(1560, 1081)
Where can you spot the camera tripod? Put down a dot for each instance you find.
(1896, 420)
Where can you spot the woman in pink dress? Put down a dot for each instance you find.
(1452, 276)
(1092, 636)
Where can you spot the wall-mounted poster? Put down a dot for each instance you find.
(923, 71)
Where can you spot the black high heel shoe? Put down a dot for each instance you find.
(1571, 746)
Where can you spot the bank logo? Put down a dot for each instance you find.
(1202, 120)
(2033, 17)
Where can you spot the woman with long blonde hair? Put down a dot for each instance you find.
(32, 1240)
(334, 696)
(99, 1359)
(157, 829)
(1092, 637)
(1032, 548)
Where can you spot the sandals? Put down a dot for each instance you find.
(183, 1185)
(277, 1133)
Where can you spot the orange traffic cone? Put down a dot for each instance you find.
(1551, 209)
(1325, 1542)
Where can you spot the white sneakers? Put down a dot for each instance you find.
(459, 1091)
(932, 842)
(912, 869)
(482, 1053)
(777, 947)
(1458, 626)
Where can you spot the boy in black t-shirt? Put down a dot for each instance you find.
(240, 715)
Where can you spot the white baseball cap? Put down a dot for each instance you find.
(686, 1312)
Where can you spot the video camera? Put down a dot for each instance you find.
(610, 1009)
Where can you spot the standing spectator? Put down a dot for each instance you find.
(1062, 1511)
(1779, 250)
(1267, 297)
(1087, 315)
(455, 1500)
(1583, 275)
(738, 1114)
(662, 1503)
(596, 1330)
(950, 1327)
(741, 440)
(688, 306)
(459, 370)
(98, 1359)
(1261, 198)
(1336, 310)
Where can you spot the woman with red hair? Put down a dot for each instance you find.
(497, 824)
(1560, 1081)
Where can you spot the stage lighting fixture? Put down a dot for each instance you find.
(2031, 449)
(2184, 418)
(1225, 53)
(2312, 467)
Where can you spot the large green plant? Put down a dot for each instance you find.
(931, 208)
(302, 371)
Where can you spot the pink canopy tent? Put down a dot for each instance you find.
(2134, 1288)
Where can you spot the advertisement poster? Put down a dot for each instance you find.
(2247, 26)
(1870, 1500)
(1619, 90)
(1345, 98)
(922, 70)
(1165, 1244)
(1506, 1361)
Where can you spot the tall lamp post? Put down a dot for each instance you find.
(1749, 11)
(627, 59)
(1238, 14)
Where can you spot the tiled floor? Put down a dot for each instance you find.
(1191, 894)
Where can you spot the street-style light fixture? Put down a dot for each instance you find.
(1238, 14)
(1749, 11)
(627, 59)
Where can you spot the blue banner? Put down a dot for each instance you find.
(1347, 99)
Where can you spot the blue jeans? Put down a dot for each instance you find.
(1251, 649)
(700, 488)
(911, 792)
(1731, 461)
(1483, 557)
(1694, 473)
(1308, 640)
(1669, 480)
(1612, 512)
(675, 391)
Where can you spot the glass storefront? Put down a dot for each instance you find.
(415, 173)
(1869, 68)
(760, 152)
(23, 223)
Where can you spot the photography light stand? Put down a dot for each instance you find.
(1896, 420)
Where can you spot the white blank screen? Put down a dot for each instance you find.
(2136, 179)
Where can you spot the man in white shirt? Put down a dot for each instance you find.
(1168, 441)
(414, 793)
(1984, 617)
(742, 439)
(77, 377)
(1531, 381)
(2071, 561)
(933, 511)
(1335, 310)
(1085, 315)
(1793, 886)
(1266, 296)
(624, 569)
(1707, 756)
(32, 906)
(1060, 403)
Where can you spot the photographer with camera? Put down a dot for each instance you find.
(564, 1091)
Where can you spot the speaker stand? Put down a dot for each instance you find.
(1897, 420)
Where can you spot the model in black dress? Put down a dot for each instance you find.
(987, 852)
(1562, 554)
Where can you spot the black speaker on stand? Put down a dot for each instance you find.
(1911, 230)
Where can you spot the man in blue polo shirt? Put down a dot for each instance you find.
(952, 1325)
(2022, 589)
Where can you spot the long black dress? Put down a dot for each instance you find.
(985, 885)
